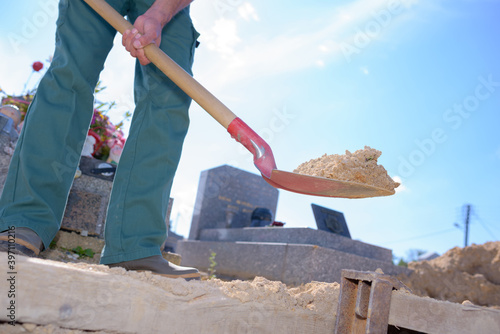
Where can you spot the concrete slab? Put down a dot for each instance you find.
(298, 235)
(289, 263)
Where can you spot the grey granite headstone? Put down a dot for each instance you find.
(8, 140)
(87, 206)
(227, 197)
(330, 220)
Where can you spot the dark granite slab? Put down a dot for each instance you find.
(289, 263)
(227, 197)
(330, 220)
(299, 235)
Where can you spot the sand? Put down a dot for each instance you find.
(470, 274)
(360, 166)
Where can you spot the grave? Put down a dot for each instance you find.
(87, 206)
(221, 222)
(227, 197)
(330, 220)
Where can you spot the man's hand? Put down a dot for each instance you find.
(146, 30)
(148, 27)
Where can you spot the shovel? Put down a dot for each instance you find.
(241, 132)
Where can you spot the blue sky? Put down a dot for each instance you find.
(418, 80)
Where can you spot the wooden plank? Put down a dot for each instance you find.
(49, 292)
(69, 296)
(434, 316)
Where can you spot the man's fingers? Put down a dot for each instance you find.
(137, 43)
(134, 41)
(124, 37)
(142, 57)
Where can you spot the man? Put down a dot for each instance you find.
(48, 151)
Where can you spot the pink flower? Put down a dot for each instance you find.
(37, 66)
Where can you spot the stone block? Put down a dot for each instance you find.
(7, 146)
(289, 263)
(4, 164)
(298, 235)
(87, 206)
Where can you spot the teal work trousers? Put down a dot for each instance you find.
(48, 151)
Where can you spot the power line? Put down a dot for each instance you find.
(468, 210)
(487, 229)
(483, 224)
(421, 236)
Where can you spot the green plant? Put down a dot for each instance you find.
(81, 252)
(402, 263)
(53, 244)
(213, 264)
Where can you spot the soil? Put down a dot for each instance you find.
(360, 166)
(461, 275)
(63, 244)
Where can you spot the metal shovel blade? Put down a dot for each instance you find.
(321, 186)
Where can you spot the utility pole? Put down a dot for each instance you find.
(467, 225)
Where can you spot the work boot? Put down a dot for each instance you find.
(22, 241)
(159, 266)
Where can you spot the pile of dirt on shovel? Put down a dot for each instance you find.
(461, 275)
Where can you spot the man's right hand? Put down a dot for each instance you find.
(147, 30)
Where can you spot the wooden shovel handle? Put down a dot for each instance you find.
(181, 78)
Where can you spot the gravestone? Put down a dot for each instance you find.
(330, 220)
(226, 198)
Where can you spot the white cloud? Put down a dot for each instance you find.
(301, 46)
(401, 187)
(409, 3)
(15, 70)
(323, 48)
(320, 63)
(364, 70)
(248, 12)
(223, 37)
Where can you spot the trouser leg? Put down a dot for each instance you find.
(48, 151)
(135, 225)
